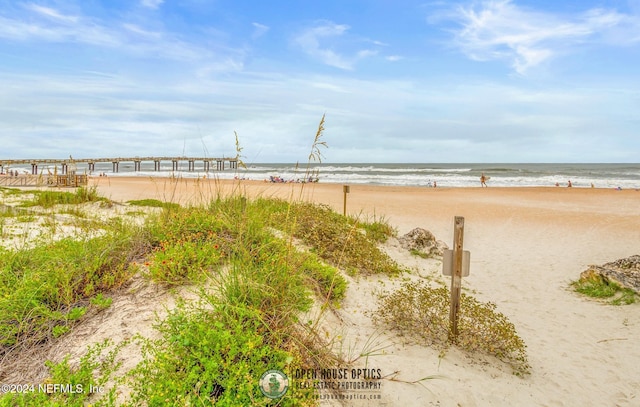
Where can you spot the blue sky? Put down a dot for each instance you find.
(399, 81)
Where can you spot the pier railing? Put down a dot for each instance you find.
(26, 180)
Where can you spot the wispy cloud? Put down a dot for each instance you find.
(259, 30)
(48, 25)
(502, 30)
(320, 42)
(52, 13)
(152, 4)
(136, 29)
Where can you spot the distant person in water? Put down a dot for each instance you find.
(569, 184)
(483, 180)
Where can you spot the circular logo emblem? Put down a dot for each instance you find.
(274, 384)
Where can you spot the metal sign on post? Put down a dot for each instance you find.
(457, 257)
(447, 262)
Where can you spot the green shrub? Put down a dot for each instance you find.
(101, 302)
(417, 309)
(205, 358)
(37, 284)
(597, 287)
(85, 383)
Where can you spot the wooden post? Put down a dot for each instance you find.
(345, 191)
(456, 276)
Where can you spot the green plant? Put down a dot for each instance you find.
(379, 230)
(76, 313)
(595, 286)
(74, 387)
(36, 283)
(626, 296)
(154, 203)
(101, 302)
(331, 284)
(416, 252)
(48, 199)
(59, 330)
(211, 357)
(335, 240)
(419, 310)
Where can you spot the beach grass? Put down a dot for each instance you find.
(153, 203)
(48, 199)
(43, 287)
(597, 287)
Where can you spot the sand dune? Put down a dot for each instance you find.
(526, 245)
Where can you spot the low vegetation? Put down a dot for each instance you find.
(349, 245)
(597, 287)
(44, 289)
(421, 311)
(48, 199)
(153, 203)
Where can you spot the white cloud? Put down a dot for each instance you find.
(153, 4)
(142, 32)
(310, 40)
(125, 37)
(259, 30)
(501, 30)
(315, 41)
(52, 13)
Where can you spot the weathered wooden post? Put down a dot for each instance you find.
(455, 263)
(345, 191)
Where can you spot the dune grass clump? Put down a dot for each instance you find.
(48, 199)
(85, 384)
(595, 286)
(421, 311)
(192, 243)
(154, 203)
(187, 244)
(44, 289)
(337, 240)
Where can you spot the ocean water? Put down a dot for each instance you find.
(626, 176)
(462, 175)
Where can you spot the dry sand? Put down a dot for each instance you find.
(527, 245)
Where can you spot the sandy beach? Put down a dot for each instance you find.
(526, 244)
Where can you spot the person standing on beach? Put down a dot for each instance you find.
(483, 180)
(569, 184)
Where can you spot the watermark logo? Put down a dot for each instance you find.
(274, 384)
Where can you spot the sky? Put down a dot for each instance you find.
(396, 80)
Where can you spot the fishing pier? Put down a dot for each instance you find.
(67, 175)
(137, 162)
